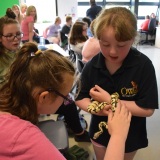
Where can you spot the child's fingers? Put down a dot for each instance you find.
(98, 88)
(129, 116)
(110, 115)
(118, 108)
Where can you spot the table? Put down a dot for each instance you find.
(57, 48)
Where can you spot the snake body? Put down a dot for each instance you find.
(96, 106)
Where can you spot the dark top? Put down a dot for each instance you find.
(93, 11)
(135, 81)
(65, 31)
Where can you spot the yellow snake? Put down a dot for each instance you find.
(96, 106)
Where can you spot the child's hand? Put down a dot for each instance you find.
(99, 94)
(118, 124)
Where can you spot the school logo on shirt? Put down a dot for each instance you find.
(130, 92)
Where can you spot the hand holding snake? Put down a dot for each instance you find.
(97, 106)
(119, 122)
(100, 95)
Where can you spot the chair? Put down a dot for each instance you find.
(72, 55)
(151, 31)
(79, 65)
(56, 132)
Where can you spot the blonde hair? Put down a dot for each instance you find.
(23, 5)
(57, 19)
(121, 19)
(19, 16)
(29, 9)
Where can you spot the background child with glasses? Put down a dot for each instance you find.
(10, 39)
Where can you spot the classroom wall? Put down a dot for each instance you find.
(46, 9)
(68, 7)
(64, 8)
(6, 4)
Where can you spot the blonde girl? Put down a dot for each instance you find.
(16, 10)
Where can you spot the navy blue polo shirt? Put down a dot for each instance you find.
(135, 81)
(93, 11)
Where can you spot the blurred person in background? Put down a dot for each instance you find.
(10, 39)
(52, 31)
(94, 10)
(16, 10)
(27, 24)
(88, 22)
(77, 37)
(145, 23)
(23, 8)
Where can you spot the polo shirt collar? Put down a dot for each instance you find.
(128, 62)
(130, 59)
(100, 63)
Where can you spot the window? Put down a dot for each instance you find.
(148, 0)
(118, 1)
(110, 6)
(146, 10)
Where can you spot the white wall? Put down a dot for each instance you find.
(67, 7)
(46, 9)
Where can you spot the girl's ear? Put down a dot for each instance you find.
(43, 97)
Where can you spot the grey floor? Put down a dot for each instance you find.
(152, 152)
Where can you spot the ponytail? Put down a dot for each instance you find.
(32, 68)
(10, 13)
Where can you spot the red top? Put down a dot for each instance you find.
(144, 25)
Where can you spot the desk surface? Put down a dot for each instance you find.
(57, 48)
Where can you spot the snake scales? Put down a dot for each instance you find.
(96, 106)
